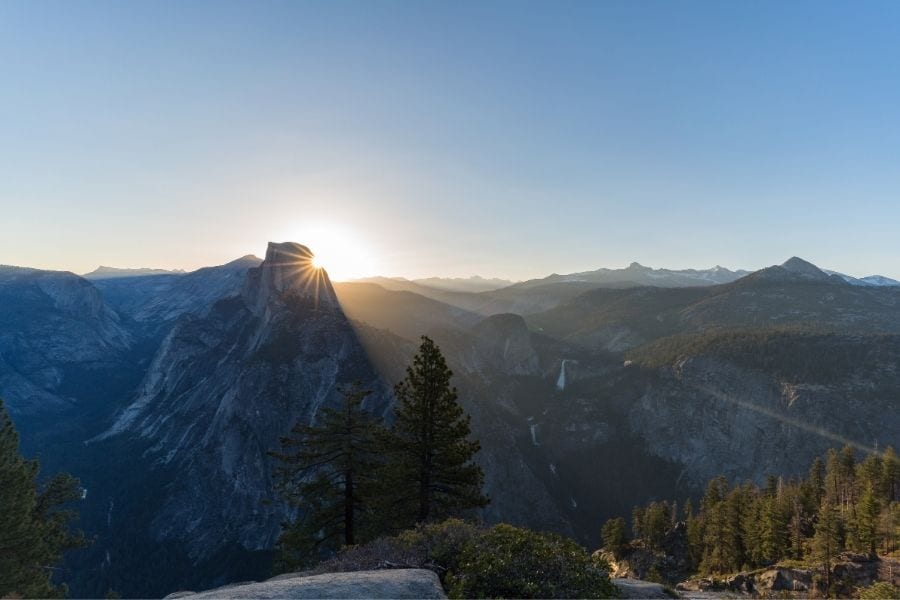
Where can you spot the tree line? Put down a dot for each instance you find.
(795, 353)
(350, 478)
(842, 504)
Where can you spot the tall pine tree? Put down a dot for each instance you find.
(327, 472)
(827, 540)
(429, 472)
(867, 513)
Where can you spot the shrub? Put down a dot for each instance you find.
(434, 546)
(440, 544)
(473, 562)
(508, 562)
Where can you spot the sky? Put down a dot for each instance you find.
(509, 139)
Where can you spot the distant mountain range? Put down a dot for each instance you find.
(637, 274)
(102, 272)
(633, 274)
(874, 280)
(464, 284)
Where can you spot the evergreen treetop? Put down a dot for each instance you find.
(429, 472)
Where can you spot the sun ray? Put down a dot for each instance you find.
(797, 423)
(338, 252)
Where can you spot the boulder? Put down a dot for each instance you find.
(741, 582)
(779, 579)
(857, 557)
(389, 583)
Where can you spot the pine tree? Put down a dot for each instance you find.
(637, 522)
(870, 472)
(833, 483)
(867, 512)
(615, 539)
(656, 521)
(816, 482)
(776, 515)
(888, 526)
(797, 524)
(326, 471)
(34, 532)
(688, 510)
(827, 539)
(848, 477)
(733, 552)
(712, 510)
(752, 532)
(891, 475)
(429, 472)
(694, 533)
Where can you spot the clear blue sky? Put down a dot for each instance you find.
(450, 138)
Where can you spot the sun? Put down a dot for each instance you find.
(337, 250)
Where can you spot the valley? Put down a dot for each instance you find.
(590, 393)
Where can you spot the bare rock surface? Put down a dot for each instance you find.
(394, 583)
(636, 588)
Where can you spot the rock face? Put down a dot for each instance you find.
(504, 343)
(396, 583)
(153, 301)
(715, 416)
(288, 271)
(224, 387)
(53, 326)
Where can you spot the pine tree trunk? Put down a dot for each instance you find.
(348, 509)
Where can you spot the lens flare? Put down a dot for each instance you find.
(338, 251)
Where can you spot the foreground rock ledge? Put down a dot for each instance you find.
(393, 583)
(637, 588)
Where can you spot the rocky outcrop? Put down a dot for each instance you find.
(395, 583)
(774, 580)
(671, 563)
(288, 271)
(224, 387)
(849, 573)
(636, 588)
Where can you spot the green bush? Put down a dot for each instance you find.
(440, 544)
(434, 546)
(508, 562)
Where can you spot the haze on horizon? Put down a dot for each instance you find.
(504, 139)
